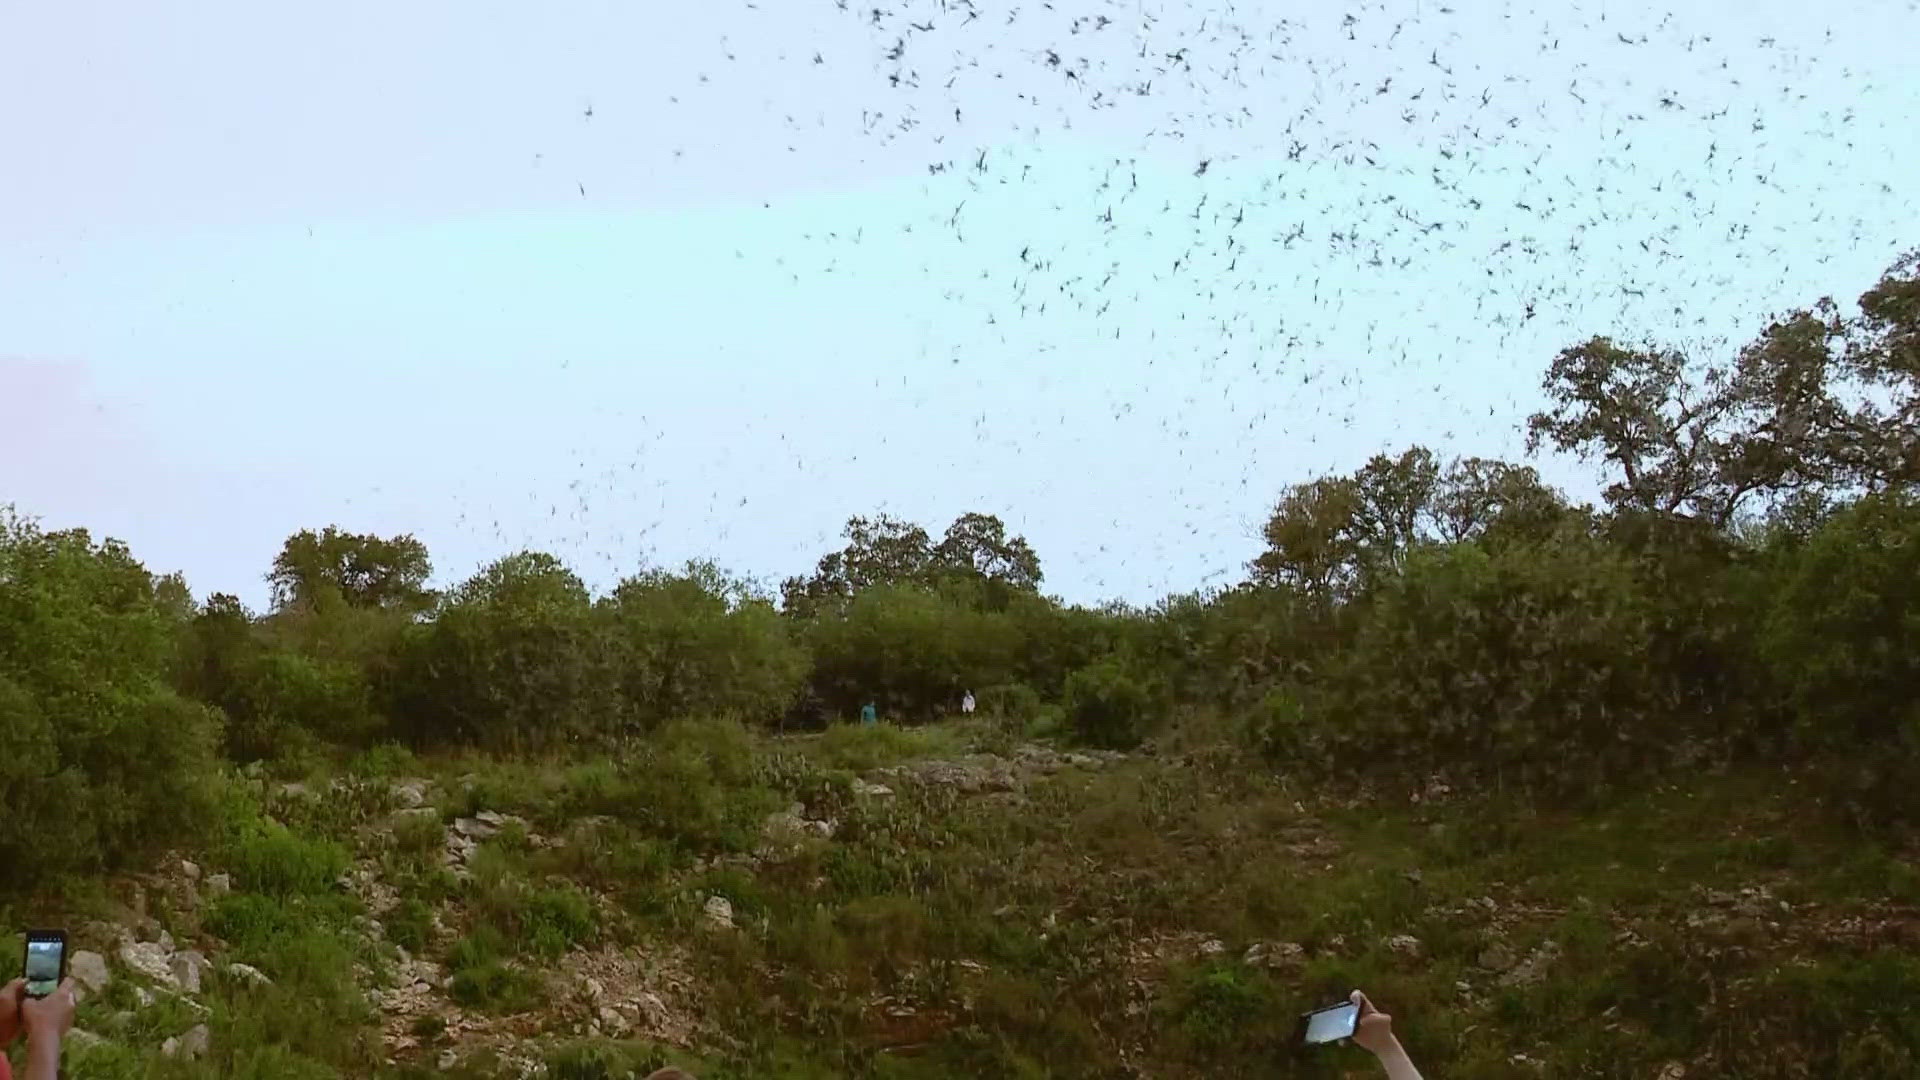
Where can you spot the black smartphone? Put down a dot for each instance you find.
(46, 962)
(1331, 1024)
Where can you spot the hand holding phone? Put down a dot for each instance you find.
(46, 961)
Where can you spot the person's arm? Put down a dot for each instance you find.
(1375, 1032)
(10, 997)
(47, 1021)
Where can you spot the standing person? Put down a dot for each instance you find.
(45, 1020)
(869, 715)
(966, 703)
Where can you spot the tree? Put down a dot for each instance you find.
(515, 656)
(1482, 499)
(975, 561)
(1651, 414)
(1312, 539)
(1393, 508)
(978, 544)
(1818, 404)
(361, 569)
(100, 760)
(880, 551)
(701, 642)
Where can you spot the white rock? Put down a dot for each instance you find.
(166, 941)
(475, 828)
(613, 1022)
(143, 995)
(1212, 947)
(190, 869)
(719, 912)
(411, 792)
(149, 959)
(89, 970)
(219, 884)
(187, 968)
(247, 973)
(861, 787)
(1404, 944)
(196, 1042)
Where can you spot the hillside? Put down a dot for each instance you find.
(950, 902)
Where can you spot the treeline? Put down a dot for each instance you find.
(1749, 590)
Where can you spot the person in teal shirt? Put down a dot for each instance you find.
(869, 715)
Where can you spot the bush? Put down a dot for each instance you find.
(909, 651)
(514, 658)
(103, 760)
(1842, 637)
(1527, 668)
(268, 858)
(1011, 701)
(1108, 707)
(553, 921)
(700, 643)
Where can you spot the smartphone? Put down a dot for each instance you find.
(46, 961)
(1331, 1024)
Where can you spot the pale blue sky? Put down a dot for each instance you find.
(375, 266)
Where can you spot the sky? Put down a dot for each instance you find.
(634, 290)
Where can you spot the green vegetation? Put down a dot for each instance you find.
(1572, 790)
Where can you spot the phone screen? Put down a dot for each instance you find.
(46, 958)
(1332, 1024)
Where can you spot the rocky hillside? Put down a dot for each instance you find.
(944, 903)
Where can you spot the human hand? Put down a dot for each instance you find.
(10, 997)
(48, 1019)
(1374, 1031)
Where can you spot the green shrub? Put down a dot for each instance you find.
(410, 925)
(515, 657)
(249, 921)
(1843, 639)
(1528, 668)
(699, 643)
(268, 858)
(103, 762)
(1013, 701)
(909, 651)
(553, 921)
(1108, 707)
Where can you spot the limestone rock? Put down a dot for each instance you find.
(187, 968)
(79, 1040)
(89, 970)
(1404, 944)
(249, 974)
(719, 912)
(149, 959)
(219, 884)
